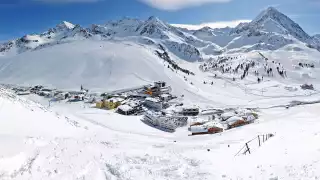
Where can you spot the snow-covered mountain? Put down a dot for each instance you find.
(272, 21)
(124, 49)
(152, 31)
(63, 32)
(59, 140)
(270, 30)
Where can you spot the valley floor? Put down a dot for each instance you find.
(75, 141)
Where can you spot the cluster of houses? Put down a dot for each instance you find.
(53, 94)
(154, 102)
(131, 102)
(217, 120)
(157, 105)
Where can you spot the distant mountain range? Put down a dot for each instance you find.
(270, 30)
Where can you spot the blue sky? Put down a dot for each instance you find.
(20, 17)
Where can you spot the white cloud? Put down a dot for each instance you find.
(67, 1)
(218, 24)
(179, 4)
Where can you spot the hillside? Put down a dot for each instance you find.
(125, 53)
(258, 66)
(73, 141)
(96, 65)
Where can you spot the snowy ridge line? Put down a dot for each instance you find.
(271, 30)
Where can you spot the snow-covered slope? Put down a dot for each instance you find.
(183, 45)
(62, 33)
(127, 53)
(96, 64)
(20, 117)
(219, 36)
(73, 141)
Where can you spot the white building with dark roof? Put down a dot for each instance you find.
(153, 103)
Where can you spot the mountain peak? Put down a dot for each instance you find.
(270, 12)
(64, 25)
(156, 21)
(271, 20)
(153, 18)
(270, 9)
(206, 28)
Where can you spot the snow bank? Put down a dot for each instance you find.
(20, 117)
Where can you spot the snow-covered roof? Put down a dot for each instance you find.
(131, 103)
(165, 95)
(198, 129)
(155, 100)
(234, 119)
(152, 113)
(211, 124)
(227, 114)
(125, 107)
(116, 99)
(190, 107)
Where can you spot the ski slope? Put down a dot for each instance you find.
(74, 141)
(90, 63)
(105, 66)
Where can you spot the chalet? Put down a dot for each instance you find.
(236, 121)
(197, 130)
(206, 128)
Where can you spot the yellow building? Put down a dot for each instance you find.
(111, 104)
(99, 104)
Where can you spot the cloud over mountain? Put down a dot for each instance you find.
(217, 24)
(179, 4)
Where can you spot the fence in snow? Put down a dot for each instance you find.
(253, 144)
